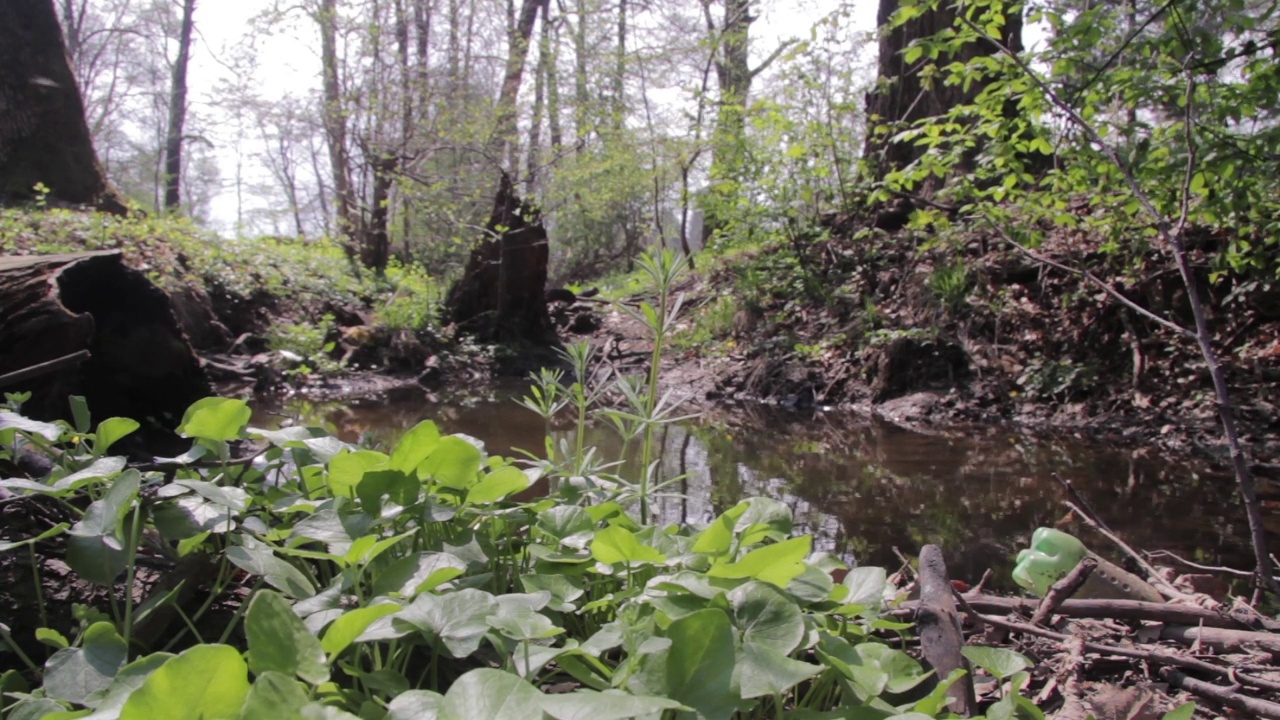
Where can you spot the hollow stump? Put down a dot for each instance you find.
(139, 363)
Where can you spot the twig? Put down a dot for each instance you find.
(1075, 496)
(1063, 589)
(1102, 284)
(1160, 658)
(44, 368)
(1198, 566)
(1225, 696)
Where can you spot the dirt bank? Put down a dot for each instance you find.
(913, 335)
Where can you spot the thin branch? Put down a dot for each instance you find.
(1102, 284)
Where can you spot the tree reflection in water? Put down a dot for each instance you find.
(864, 487)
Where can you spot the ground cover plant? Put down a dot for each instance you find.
(426, 582)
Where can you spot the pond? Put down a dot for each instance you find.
(867, 489)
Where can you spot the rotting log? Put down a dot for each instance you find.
(140, 364)
(501, 295)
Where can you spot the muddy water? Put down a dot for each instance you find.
(864, 488)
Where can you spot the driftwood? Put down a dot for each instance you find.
(53, 307)
(940, 636)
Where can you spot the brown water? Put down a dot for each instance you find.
(864, 488)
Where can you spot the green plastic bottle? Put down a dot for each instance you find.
(1054, 553)
(1051, 556)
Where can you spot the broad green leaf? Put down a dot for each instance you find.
(274, 696)
(96, 546)
(344, 631)
(562, 588)
(215, 418)
(1000, 662)
(866, 587)
(49, 431)
(393, 485)
(32, 708)
(206, 682)
(454, 463)
(764, 518)
(492, 695)
(100, 469)
(52, 638)
(279, 641)
(415, 705)
(699, 664)
(936, 701)
(497, 485)
(524, 624)
(110, 431)
(767, 617)
(80, 417)
(108, 703)
(902, 670)
(563, 521)
(232, 498)
(616, 544)
(415, 446)
(778, 563)
(257, 559)
(717, 538)
(607, 705)
(73, 674)
(414, 574)
(762, 671)
(348, 467)
(458, 620)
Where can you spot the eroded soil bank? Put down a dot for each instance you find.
(905, 331)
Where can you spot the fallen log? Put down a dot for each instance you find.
(1114, 610)
(139, 363)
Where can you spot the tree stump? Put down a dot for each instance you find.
(139, 362)
(500, 297)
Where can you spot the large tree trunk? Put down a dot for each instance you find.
(501, 296)
(178, 112)
(335, 126)
(43, 135)
(138, 361)
(901, 98)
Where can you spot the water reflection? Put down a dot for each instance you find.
(865, 488)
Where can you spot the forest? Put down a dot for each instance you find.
(1024, 236)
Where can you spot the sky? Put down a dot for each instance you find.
(289, 62)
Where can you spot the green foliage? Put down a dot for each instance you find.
(950, 285)
(410, 584)
(292, 278)
(1166, 90)
(309, 342)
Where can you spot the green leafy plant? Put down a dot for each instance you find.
(413, 583)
